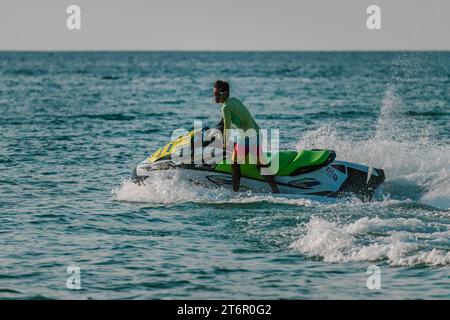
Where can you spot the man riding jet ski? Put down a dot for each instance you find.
(195, 158)
(235, 113)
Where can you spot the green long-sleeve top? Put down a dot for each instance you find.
(234, 112)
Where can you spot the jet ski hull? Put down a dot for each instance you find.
(337, 179)
(313, 172)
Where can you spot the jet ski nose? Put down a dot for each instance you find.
(136, 178)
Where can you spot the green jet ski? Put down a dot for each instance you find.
(306, 172)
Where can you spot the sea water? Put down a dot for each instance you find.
(73, 125)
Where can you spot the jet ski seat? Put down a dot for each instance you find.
(307, 160)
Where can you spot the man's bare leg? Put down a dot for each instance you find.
(270, 179)
(236, 175)
(235, 172)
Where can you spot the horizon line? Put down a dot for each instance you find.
(216, 51)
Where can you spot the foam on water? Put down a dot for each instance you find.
(416, 167)
(158, 189)
(373, 239)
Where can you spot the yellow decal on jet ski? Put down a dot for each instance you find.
(171, 147)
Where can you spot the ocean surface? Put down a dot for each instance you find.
(73, 125)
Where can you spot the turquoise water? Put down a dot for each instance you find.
(73, 125)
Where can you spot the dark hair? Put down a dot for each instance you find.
(223, 86)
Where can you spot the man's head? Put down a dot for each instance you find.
(221, 91)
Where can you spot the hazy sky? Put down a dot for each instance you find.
(224, 25)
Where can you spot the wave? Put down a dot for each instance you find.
(110, 77)
(108, 117)
(160, 190)
(397, 240)
(416, 166)
(427, 113)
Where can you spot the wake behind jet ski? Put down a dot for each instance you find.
(313, 172)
